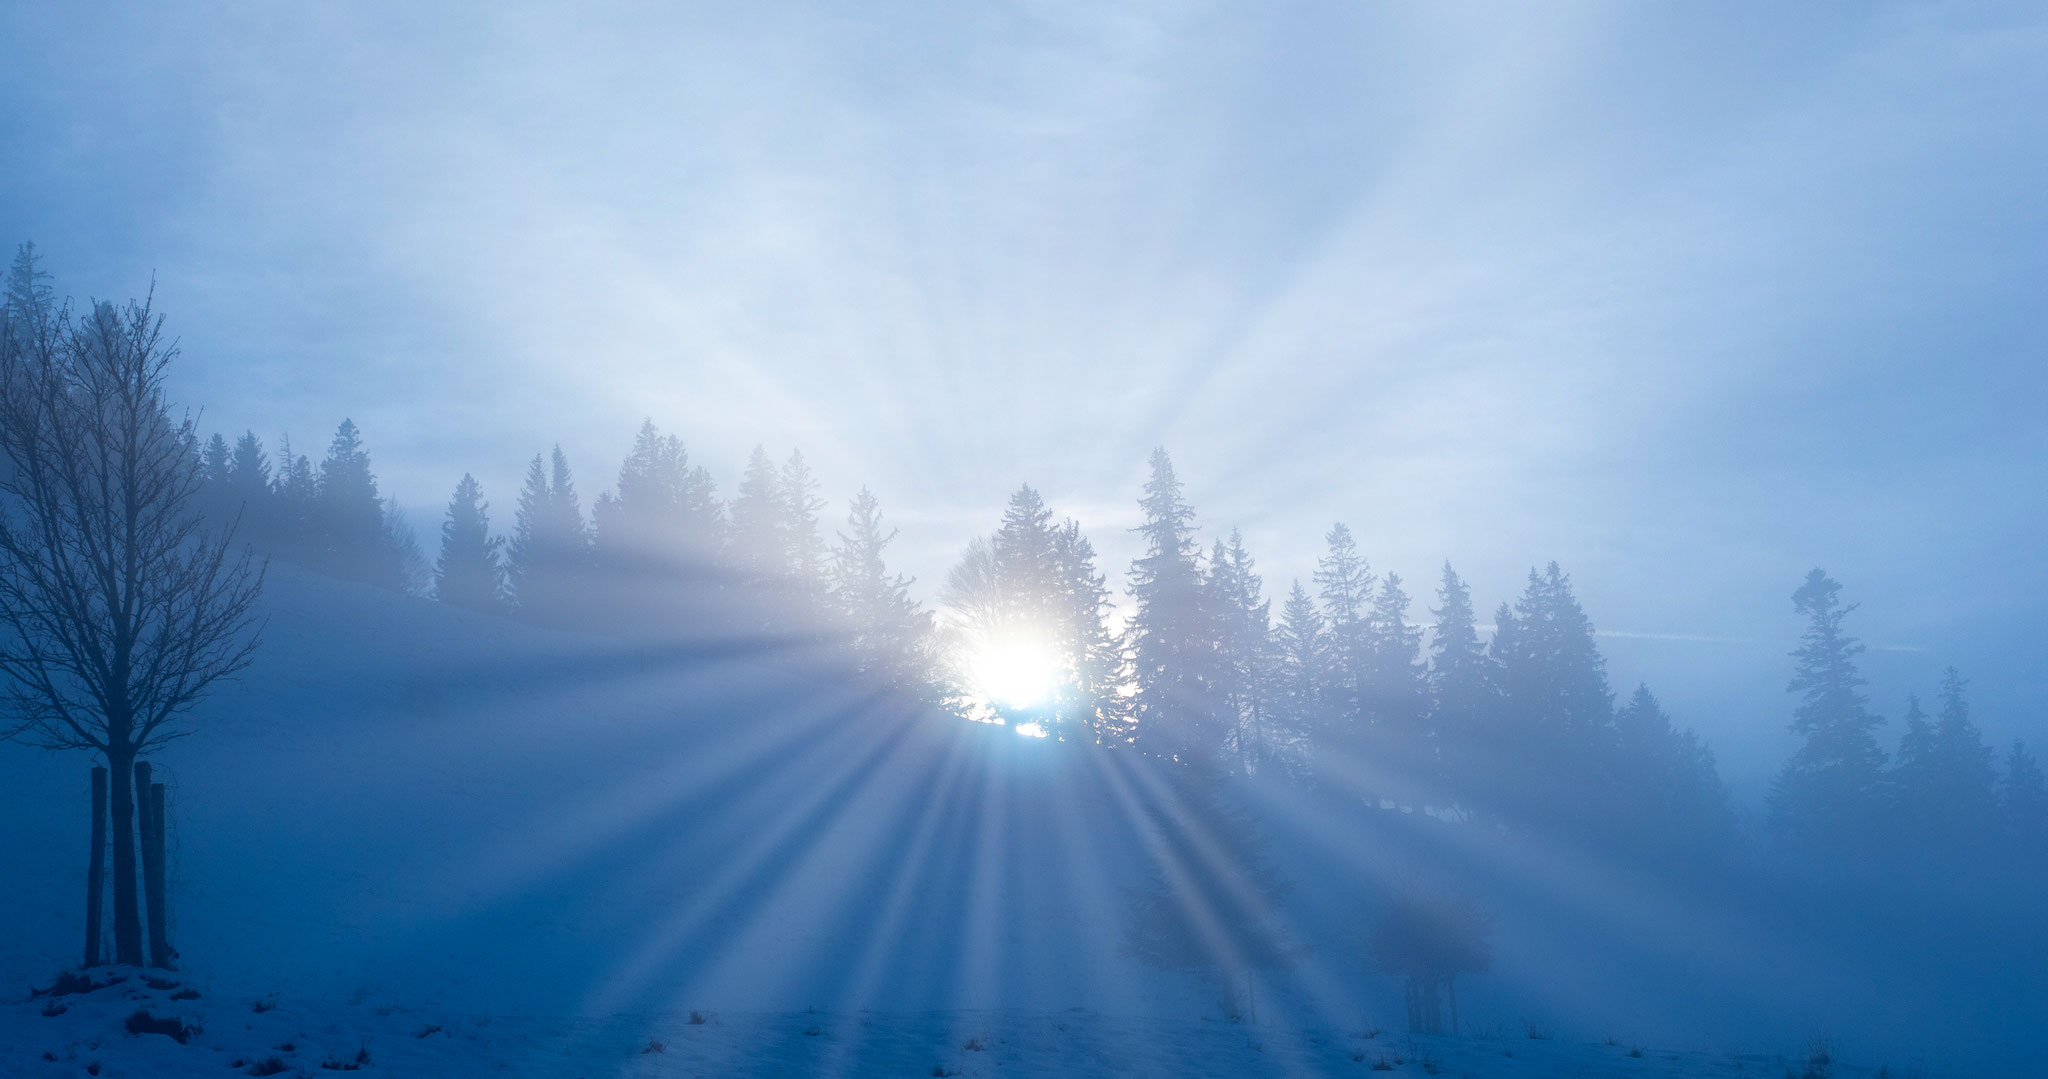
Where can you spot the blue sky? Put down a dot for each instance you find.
(1687, 297)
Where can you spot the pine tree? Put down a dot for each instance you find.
(1670, 807)
(890, 633)
(214, 462)
(1344, 584)
(1968, 775)
(1245, 659)
(1829, 790)
(351, 541)
(546, 559)
(1172, 638)
(294, 528)
(1558, 713)
(1095, 701)
(1464, 694)
(468, 573)
(1301, 672)
(1394, 692)
(804, 550)
(2023, 797)
(1028, 575)
(655, 540)
(1913, 787)
(759, 548)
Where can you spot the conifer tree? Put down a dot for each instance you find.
(889, 632)
(1028, 575)
(759, 548)
(655, 539)
(352, 541)
(1344, 584)
(468, 573)
(804, 550)
(1394, 692)
(214, 462)
(1829, 790)
(1557, 712)
(2023, 797)
(1463, 687)
(293, 525)
(1671, 807)
(1968, 776)
(546, 558)
(1912, 784)
(1301, 670)
(1245, 659)
(1097, 700)
(1172, 637)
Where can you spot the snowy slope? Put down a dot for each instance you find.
(380, 1038)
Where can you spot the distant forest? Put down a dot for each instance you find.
(1518, 729)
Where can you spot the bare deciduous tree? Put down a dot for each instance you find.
(119, 608)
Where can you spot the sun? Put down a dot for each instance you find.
(1015, 674)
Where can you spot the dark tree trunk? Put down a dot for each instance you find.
(161, 952)
(127, 922)
(148, 800)
(96, 870)
(1451, 988)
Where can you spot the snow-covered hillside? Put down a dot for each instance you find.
(205, 1034)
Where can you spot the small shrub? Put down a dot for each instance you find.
(813, 1031)
(54, 1009)
(429, 1029)
(269, 1066)
(159, 984)
(49, 1056)
(265, 1005)
(348, 1064)
(1612, 1040)
(975, 1044)
(1369, 1033)
(288, 1047)
(655, 1047)
(1635, 1051)
(696, 1018)
(941, 1071)
(1535, 1030)
(93, 1068)
(1429, 1062)
(142, 1022)
(1382, 1064)
(185, 994)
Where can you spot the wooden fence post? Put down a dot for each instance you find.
(159, 901)
(152, 866)
(96, 869)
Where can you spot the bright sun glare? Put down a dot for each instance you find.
(1015, 675)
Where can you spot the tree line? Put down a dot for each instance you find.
(1513, 724)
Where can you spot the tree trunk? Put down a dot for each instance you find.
(127, 923)
(149, 803)
(96, 870)
(1451, 987)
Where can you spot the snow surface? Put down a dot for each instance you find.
(391, 1038)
